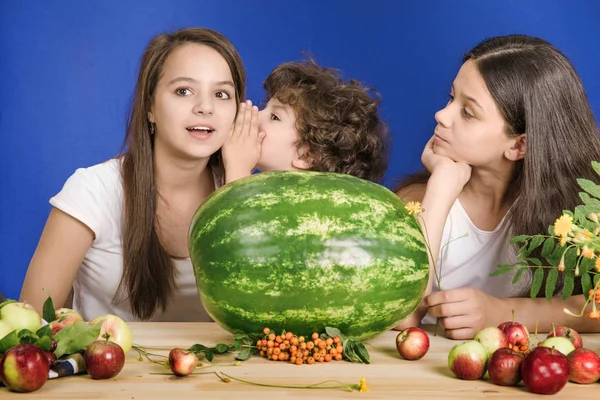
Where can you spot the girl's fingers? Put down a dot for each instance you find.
(247, 117)
(253, 131)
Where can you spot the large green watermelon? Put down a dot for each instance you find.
(303, 250)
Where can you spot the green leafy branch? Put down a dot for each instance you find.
(573, 252)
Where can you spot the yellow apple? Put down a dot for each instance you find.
(21, 316)
(115, 329)
(5, 329)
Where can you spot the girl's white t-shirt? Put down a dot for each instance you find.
(468, 261)
(94, 196)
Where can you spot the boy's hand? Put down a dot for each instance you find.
(241, 149)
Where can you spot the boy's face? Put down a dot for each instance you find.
(279, 151)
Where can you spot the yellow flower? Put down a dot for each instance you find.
(597, 264)
(413, 207)
(363, 385)
(563, 225)
(583, 236)
(587, 252)
(563, 240)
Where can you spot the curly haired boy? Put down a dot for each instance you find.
(314, 120)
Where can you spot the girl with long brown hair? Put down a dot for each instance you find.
(503, 161)
(117, 233)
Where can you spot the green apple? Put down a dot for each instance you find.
(5, 329)
(115, 329)
(21, 316)
(560, 343)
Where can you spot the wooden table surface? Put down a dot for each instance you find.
(388, 376)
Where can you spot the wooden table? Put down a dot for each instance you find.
(388, 376)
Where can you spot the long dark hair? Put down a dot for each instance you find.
(148, 280)
(538, 92)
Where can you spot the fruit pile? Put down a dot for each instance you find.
(505, 352)
(297, 350)
(29, 350)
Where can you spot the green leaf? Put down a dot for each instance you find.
(75, 337)
(44, 343)
(538, 277)
(8, 341)
(208, 353)
(585, 198)
(197, 348)
(245, 354)
(502, 269)
(568, 286)
(362, 353)
(535, 242)
(520, 239)
(589, 187)
(596, 279)
(534, 261)
(551, 283)
(26, 336)
(596, 166)
(48, 312)
(333, 332)
(44, 331)
(518, 274)
(586, 283)
(221, 348)
(548, 247)
(551, 230)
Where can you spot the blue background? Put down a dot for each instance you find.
(68, 68)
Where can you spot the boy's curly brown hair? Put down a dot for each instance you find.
(338, 121)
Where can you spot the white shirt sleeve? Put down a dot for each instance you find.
(88, 195)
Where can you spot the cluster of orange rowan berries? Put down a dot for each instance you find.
(297, 350)
(595, 296)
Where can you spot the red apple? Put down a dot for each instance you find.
(104, 359)
(51, 358)
(545, 370)
(584, 365)
(492, 339)
(412, 343)
(569, 333)
(182, 362)
(24, 368)
(504, 367)
(517, 335)
(468, 360)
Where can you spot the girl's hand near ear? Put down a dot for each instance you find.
(242, 147)
(450, 172)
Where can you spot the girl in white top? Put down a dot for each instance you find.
(503, 161)
(118, 231)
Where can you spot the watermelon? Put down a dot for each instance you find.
(302, 250)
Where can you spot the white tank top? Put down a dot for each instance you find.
(469, 261)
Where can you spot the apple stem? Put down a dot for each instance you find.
(553, 329)
(513, 316)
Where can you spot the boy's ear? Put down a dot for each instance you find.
(300, 163)
(517, 151)
(302, 160)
